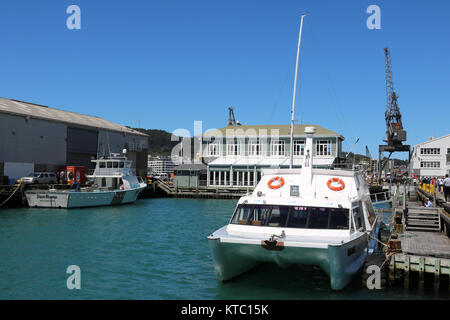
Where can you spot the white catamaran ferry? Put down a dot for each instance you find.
(304, 216)
(113, 182)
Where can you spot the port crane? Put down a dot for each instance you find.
(395, 133)
(231, 120)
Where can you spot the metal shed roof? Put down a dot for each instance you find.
(26, 109)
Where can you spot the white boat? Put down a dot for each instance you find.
(306, 216)
(113, 182)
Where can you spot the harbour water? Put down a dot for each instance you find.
(153, 249)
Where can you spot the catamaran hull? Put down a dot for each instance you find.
(72, 199)
(340, 262)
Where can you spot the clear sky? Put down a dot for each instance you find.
(164, 64)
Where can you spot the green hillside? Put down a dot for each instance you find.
(159, 141)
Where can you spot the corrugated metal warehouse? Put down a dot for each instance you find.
(36, 138)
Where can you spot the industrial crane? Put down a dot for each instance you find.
(231, 120)
(395, 134)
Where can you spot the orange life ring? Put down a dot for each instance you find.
(338, 188)
(276, 186)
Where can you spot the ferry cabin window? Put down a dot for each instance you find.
(357, 215)
(278, 216)
(318, 218)
(298, 217)
(121, 164)
(339, 218)
(242, 214)
(370, 211)
(115, 164)
(292, 217)
(102, 164)
(109, 164)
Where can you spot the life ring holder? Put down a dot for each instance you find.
(340, 181)
(276, 186)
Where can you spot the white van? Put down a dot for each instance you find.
(40, 177)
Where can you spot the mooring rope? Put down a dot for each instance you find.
(11, 194)
(384, 244)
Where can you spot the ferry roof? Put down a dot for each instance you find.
(283, 130)
(27, 109)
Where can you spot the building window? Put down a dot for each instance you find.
(233, 149)
(278, 148)
(299, 148)
(213, 149)
(430, 164)
(254, 148)
(323, 147)
(430, 151)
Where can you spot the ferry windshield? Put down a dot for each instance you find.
(292, 217)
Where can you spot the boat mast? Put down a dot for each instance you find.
(293, 98)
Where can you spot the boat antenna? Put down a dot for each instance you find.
(293, 98)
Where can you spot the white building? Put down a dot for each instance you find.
(432, 158)
(236, 155)
(160, 165)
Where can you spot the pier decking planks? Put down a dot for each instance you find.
(423, 243)
(422, 252)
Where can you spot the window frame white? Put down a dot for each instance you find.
(430, 151)
(235, 147)
(299, 147)
(279, 146)
(216, 146)
(430, 164)
(252, 144)
(324, 143)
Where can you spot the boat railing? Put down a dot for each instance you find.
(112, 172)
(380, 196)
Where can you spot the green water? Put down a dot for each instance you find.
(153, 249)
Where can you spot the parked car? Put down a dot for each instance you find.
(40, 177)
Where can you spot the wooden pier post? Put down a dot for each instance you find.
(437, 273)
(406, 272)
(391, 275)
(421, 272)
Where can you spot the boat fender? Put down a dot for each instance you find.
(280, 183)
(339, 187)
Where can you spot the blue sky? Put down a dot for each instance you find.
(164, 64)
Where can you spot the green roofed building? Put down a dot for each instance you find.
(236, 155)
